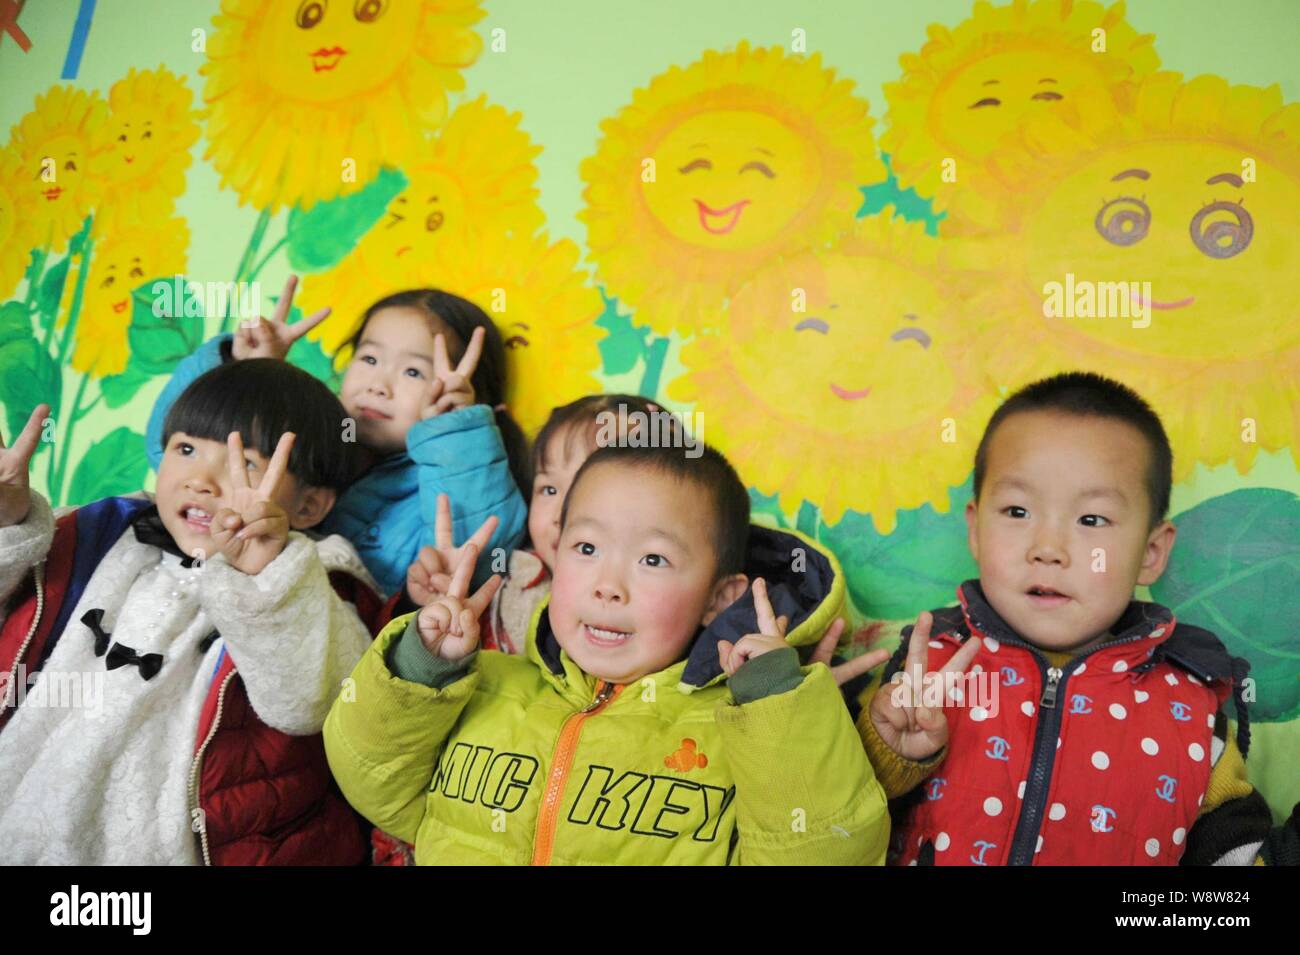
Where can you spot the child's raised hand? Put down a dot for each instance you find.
(449, 626)
(452, 387)
(15, 498)
(274, 338)
(850, 669)
(908, 728)
(771, 635)
(428, 578)
(252, 531)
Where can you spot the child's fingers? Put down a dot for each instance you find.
(452, 401)
(469, 628)
(435, 394)
(763, 607)
(442, 524)
(960, 660)
(464, 571)
(825, 648)
(300, 328)
(279, 466)
(281, 313)
(724, 656)
(469, 361)
(263, 519)
(484, 534)
(236, 467)
(25, 445)
(859, 665)
(483, 596)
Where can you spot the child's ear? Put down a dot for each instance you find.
(725, 593)
(972, 538)
(1160, 544)
(313, 504)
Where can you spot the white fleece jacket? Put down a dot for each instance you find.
(95, 764)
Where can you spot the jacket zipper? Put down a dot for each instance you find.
(565, 748)
(196, 768)
(38, 573)
(1024, 844)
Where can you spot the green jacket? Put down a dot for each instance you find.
(520, 759)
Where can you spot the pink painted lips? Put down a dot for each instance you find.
(1161, 306)
(323, 59)
(720, 221)
(848, 395)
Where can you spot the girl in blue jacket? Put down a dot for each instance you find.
(424, 392)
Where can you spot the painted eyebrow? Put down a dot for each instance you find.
(1229, 177)
(765, 152)
(989, 83)
(1047, 79)
(913, 333)
(1127, 173)
(816, 324)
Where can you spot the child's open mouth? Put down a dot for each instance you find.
(197, 519)
(1046, 597)
(603, 637)
(374, 415)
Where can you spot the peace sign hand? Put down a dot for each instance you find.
(452, 387)
(274, 338)
(15, 494)
(252, 531)
(449, 626)
(851, 669)
(771, 635)
(911, 730)
(430, 576)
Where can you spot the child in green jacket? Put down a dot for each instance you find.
(660, 714)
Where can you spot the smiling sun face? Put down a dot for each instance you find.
(121, 263)
(1005, 70)
(61, 144)
(151, 129)
(473, 182)
(732, 180)
(867, 370)
(714, 172)
(363, 82)
(1194, 194)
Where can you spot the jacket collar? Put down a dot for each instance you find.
(804, 583)
(149, 529)
(1139, 619)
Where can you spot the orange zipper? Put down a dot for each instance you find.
(565, 747)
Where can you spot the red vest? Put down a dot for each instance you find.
(1103, 762)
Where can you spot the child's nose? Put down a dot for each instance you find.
(609, 592)
(1048, 548)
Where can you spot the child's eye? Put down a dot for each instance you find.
(585, 549)
(185, 449)
(655, 560)
(413, 373)
(368, 359)
(1094, 520)
(1015, 511)
(547, 490)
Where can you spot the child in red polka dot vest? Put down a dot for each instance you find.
(1050, 719)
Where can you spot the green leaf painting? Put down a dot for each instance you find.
(113, 465)
(1237, 557)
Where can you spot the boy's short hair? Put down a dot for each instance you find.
(578, 419)
(710, 471)
(262, 398)
(1090, 395)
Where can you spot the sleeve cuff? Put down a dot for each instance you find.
(409, 659)
(776, 671)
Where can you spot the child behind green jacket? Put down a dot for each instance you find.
(660, 714)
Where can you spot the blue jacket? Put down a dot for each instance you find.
(388, 513)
